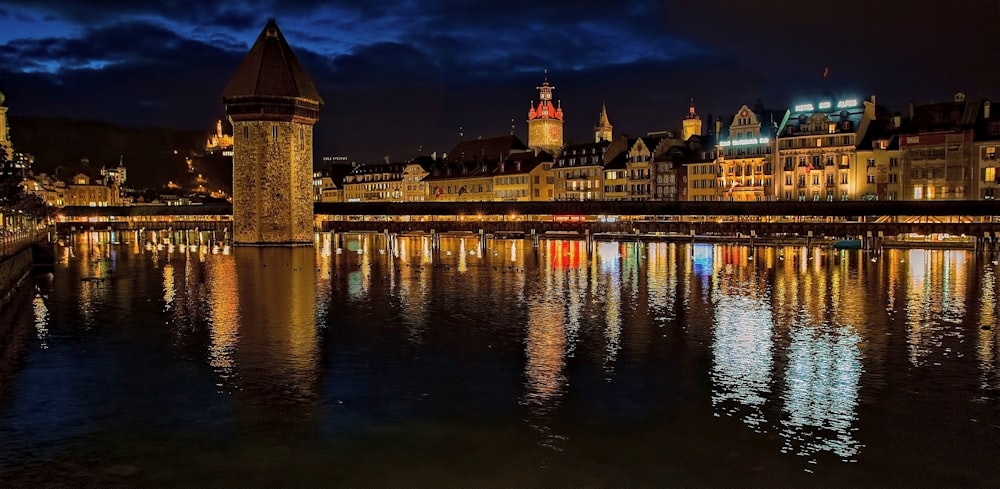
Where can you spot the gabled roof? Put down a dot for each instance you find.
(486, 149)
(270, 69)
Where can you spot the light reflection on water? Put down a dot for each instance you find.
(785, 342)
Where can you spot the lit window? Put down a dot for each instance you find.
(990, 174)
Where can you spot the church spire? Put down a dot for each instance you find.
(602, 131)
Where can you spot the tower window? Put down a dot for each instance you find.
(246, 132)
(274, 132)
(302, 138)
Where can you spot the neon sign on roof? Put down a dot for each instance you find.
(744, 142)
(826, 105)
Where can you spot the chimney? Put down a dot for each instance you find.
(913, 107)
(897, 120)
(718, 126)
(986, 109)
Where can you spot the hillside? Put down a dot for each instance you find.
(149, 152)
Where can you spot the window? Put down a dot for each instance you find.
(843, 179)
(990, 174)
(871, 162)
(246, 133)
(893, 178)
(832, 127)
(788, 180)
(991, 152)
(845, 161)
(829, 161)
(871, 178)
(274, 132)
(302, 138)
(815, 179)
(893, 162)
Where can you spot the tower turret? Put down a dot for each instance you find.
(5, 145)
(545, 120)
(272, 105)
(602, 131)
(691, 123)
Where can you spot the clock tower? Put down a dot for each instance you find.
(545, 121)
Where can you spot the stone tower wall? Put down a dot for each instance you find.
(272, 183)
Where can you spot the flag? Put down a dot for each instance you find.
(461, 190)
(826, 72)
(809, 167)
(437, 191)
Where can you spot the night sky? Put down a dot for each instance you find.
(401, 77)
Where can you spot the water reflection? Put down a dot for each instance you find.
(558, 338)
(277, 361)
(743, 348)
(821, 391)
(935, 302)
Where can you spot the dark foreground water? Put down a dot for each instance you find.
(401, 363)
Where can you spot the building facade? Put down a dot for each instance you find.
(937, 147)
(817, 149)
(746, 156)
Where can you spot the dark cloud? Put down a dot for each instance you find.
(400, 75)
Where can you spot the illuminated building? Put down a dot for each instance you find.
(467, 171)
(273, 106)
(746, 156)
(987, 142)
(691, 123)
(414, 187)
(578, 171)
(937, 149)
(523, 176)
(603, 129)
(639, 165)
(616, 175)
(375, 183)
(545, 121)
(219, 142)
(817, 149)
(878, 172)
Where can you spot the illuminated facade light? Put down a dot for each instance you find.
(744, 142)
(847, 103)
(825, 105)
(804, 107)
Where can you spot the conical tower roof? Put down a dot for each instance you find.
(270, 69)
(603, 119)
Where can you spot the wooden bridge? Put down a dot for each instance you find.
(979, 219)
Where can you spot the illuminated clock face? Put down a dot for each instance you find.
(743, 114)
(554, 132)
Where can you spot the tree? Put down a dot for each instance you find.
(14, 200)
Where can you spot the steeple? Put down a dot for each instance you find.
(691, 123)
(603, 129)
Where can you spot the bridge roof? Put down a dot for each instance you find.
(148, 210)
(621, 208)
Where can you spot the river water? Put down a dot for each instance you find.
(378, 361)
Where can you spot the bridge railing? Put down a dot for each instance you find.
(12, 242)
